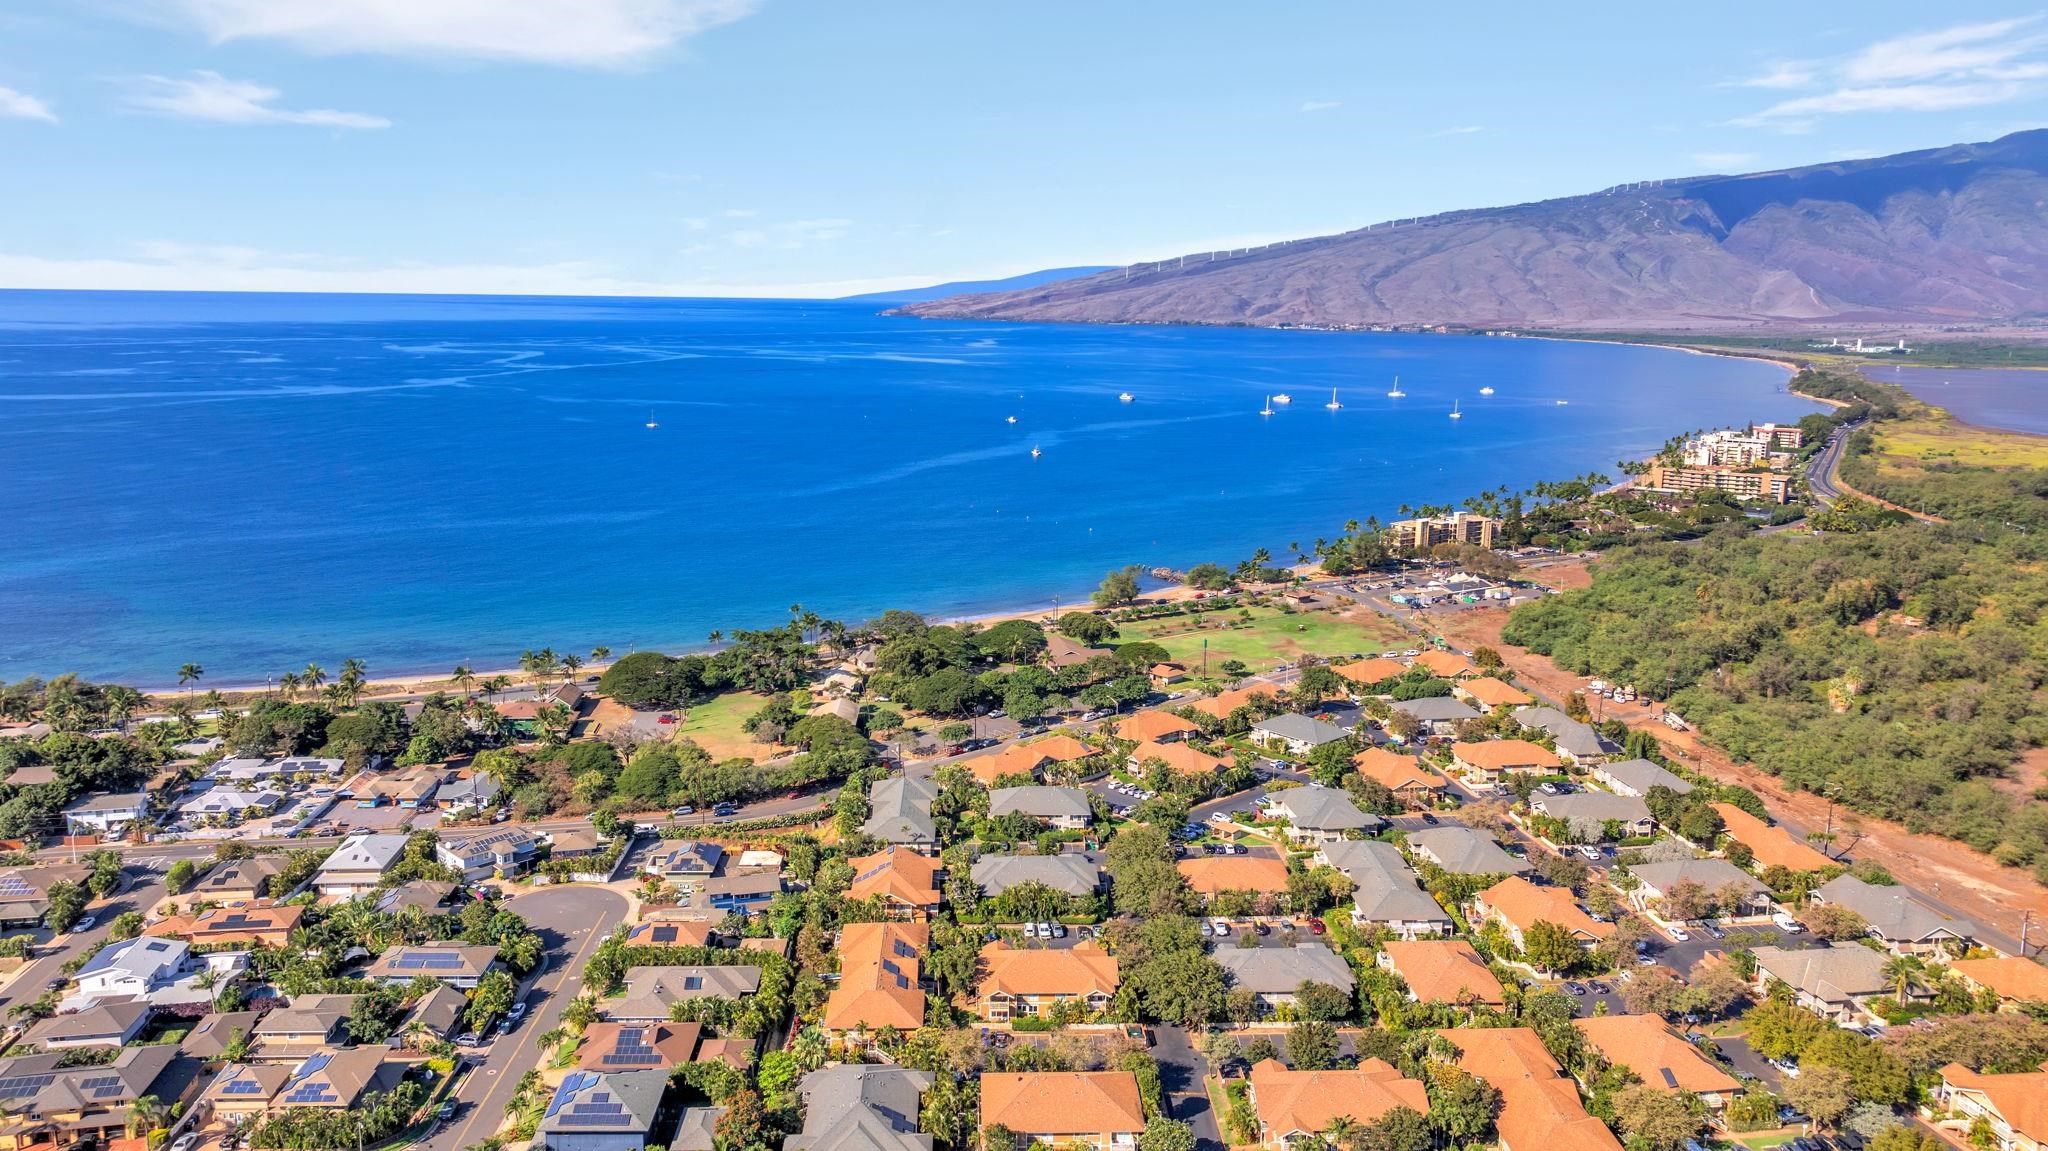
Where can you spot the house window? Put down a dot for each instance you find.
(693, 983)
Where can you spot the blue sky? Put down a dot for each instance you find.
(806, 147)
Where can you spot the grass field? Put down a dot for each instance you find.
(1271, 637)
(1935, 439)
(715, 726)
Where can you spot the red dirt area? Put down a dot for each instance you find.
(1968, 882)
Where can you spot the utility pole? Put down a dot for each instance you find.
(2025, 917)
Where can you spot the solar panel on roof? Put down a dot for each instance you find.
(25, 1084)
(243, 1087)
(14, 885)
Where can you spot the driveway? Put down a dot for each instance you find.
(572, 921)
(1181, 1069)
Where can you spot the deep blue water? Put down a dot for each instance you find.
(2015, 399)
(252, 482)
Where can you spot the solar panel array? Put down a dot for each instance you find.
(102, 1086)
(243, 1087)
(665, 934)
(15, 1086)
(575, 1082)
(312, 1091)
(14, 885)
(631, 1049)
(427, 960)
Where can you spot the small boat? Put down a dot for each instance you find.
(1035, 453)
(1283, 399)
(650, 421)
(1268, 409)
(1333, 405)
(1562, 403)
(1125, 398)
(1455, 413)
(1396, 393)
(1487, 390)
(1011, 420)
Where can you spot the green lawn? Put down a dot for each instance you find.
(1767, 1140)
(1271, 637)
(716, 725)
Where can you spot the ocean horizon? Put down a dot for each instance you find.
(253, 481)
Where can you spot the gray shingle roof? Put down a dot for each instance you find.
(1300, 729)
(862, 1107)
(1436, 709)
(1640, 775)
(1279, 970)
(1040, 802)
(1319, 808)
(1463, 851)
(1571, 736)
(901, 810)
(1071, 874)
(1712, 874)
(1895, 916)
(1831, 973)
(1387, 892)
(1584, 809)
(631, 1100)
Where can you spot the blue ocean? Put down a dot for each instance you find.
(251, 482)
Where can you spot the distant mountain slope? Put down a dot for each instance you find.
(1956, 233)
(967, 287)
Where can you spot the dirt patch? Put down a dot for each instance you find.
(1562, 576)
(1969, 882)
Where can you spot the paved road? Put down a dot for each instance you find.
(573, 920)
(1181, 1069)
(143, 891)
(1820, 470)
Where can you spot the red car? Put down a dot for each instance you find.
(1316, 927)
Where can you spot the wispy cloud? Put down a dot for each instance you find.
(1321, 105)
(571, 32)
(171, 266)
(1461, 130)
(212, 96)
(22, 106)
(1965, 66)
(1724, 161)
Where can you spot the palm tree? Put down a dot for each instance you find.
(189, 673)
(1342, 1131)
(1899, 971)
(580, 1013)
(288, 684)
(553, 1038)
(144, 1115)
(463, 677)
(600, 654)
(570, 663)
(494, 685)
(313, 676)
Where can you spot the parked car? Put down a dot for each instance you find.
(1429, 819)
(1317, 926)
(1681, 935)
(86, 923)
(1589, 853)
(686, 809)
(469, 1039)
(1262, 929)
(186, 1142)
(1714, 931)
(1222, 927)
(446, 1111)
(1208, 929)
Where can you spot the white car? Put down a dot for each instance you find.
(1045, 930)
(1681, 935)
(1222, 927)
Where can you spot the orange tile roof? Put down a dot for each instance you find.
(879, 965)
(1078, 970)
(1772, 846)
(898, 873)
(1180, 757)
(1524, 904)
(1504, 754)
(1151, 726)
(1444, 971)
(1061, 748)
(1223, 703)
(1062, 1102)
(1366, 672)
(1394, 770)
(687, 932)
(2010, 976)
(1448, 664)
(259, 922)
(1494, 693)
(672, 1043)
(1299, 1102)
(2021, 1098)
(1540, 1105)
(1663, 1061)
(1209, 874)
(1015, 759)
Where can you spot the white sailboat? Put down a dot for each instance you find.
(1487, 390)
(1283, 399)
(1268, 409)
(650, 421)
(1396, 393)
(1035, 453)
(1455, 413)
(1333, 405)
(1011, 420)
(1125, 398)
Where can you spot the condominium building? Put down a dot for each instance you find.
(1419, 535)
(1771, 486)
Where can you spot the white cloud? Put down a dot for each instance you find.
(1965, 66)
(174, 267)
(1321, 105)
(570, 32)
(1461, 130)
(1724, 161)
(22, 106)
(212, 96)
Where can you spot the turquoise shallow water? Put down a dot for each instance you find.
(253, 481)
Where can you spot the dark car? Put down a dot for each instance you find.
(725, 809)
(1429, 819)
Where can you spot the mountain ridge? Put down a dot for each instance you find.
(975, 287)
(1939, 235)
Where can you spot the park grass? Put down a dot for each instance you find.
(1766, 1140)
(715, 726)
(1936, 439)
(1270, 637)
